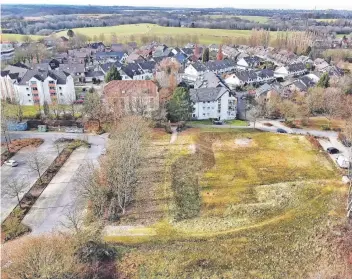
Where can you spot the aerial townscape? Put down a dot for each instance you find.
(176, 142)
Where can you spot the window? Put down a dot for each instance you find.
(33, 82)
(52, 88)
(203, 114)
(34, 88)
(27, 88)
(60, 88)
(29, 100)
(51, 82)
(194, 115)
(61, 94)
(28, 95)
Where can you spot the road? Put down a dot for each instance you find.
(47, 213)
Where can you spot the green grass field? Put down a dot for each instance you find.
(264, 199)
(17, 37)
(135, 31)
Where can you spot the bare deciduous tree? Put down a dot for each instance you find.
(37, 162)
(15, 187)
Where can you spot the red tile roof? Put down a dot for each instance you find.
(132, 87)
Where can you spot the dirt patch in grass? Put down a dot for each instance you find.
(16, 145)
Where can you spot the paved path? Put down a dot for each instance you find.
(7, 205)
(23, 171)
(174, 135)
(49, 211)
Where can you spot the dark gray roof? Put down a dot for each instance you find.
(131, 70)
(307, 81)
(263, 89)
(266, 73)
(107, 66)
(4, 73)
(217, 65)
(208, 80)
(187, 51)
(300, 85)
(41, 75)
(199, 66)
(246, 75)
(20, 65)
(72, 68)
(296, 67)
(147, 65)
(206, 94)
(94, 74)
(251, 60)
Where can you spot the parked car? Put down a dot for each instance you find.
(343, 162)
(281, 131)
(11, 163)
(218, 122)
(332, 150)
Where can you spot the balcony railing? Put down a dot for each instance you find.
(52, 91)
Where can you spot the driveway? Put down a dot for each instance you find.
(23, 171)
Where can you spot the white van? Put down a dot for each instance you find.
(342, 162)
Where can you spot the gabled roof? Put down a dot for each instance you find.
(246, 75)
(13, 69)
(117, 47)
(199, 66)
(130, 87)
(41, 75)
(251, 60)
(131, 70)
(187, 51)
(112, 54)
(296, 67)
(107, 66)
(217, 65)
(207, 94)
(147, 65)
(263, 89)
(266, 73)
(97, 45)
(72, 68)
(94, 74)
(208, 80)
(180, 57)
(20, 65)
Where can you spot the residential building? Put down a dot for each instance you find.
(94, 76)
(131, 96)
(133, 71)
(7, 51)
(215, 103)
(265, 75)
(8, 79)
(193, 71)
(248, 62)
(208, 80)
(296, 69)
(39, 86)
(241, 79)
(74, 69)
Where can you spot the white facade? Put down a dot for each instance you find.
(281, 72)
(224, 108)
(242, 64)
(233, 81)
(36, 92)
(7, 87)
(191, 73)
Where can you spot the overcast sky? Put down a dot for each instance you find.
(252, 4)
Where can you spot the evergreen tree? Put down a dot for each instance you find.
(308, 50)
(113, 74)
(70, 33)
(205, 57)
(180, 107)
(324, 81)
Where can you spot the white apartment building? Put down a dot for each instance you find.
(39, 86)
(216, 103)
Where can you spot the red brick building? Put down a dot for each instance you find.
(131, 96)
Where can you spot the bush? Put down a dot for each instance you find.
(168, 128)
(185, 187)
(290, 124)
(325, 127)
(13, 227)
(93, 251)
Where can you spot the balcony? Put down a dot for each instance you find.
(52, 91)
(33, 85)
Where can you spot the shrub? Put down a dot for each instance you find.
(290, 124)
(185, 187)
(13, 227)
(93, 251)
(325, 127)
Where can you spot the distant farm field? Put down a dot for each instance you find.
(17, 37)
(326, 19)
(257, 206)
(124, 32)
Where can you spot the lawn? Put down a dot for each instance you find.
(28, 111)
(235, 122)
(264, 200)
